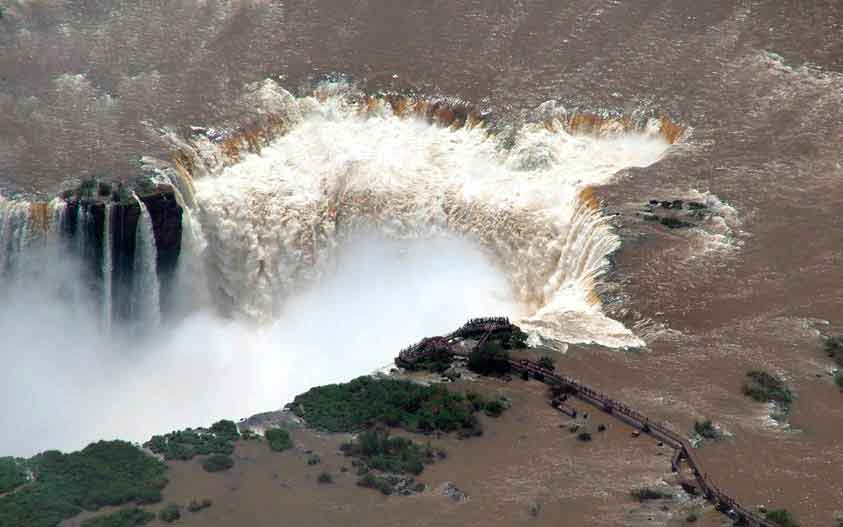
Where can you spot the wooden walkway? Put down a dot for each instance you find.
(484, 328)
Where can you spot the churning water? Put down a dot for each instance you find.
(361, 226)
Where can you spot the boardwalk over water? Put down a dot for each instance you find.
(482, 329)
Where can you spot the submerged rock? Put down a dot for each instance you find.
(450, 490)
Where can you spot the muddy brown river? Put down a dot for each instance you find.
(85, 88)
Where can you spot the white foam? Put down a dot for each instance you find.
(273, 220)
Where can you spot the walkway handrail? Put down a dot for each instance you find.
(487, 326)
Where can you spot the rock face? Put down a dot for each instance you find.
(84, 229)
(450, 490)
(675, 214)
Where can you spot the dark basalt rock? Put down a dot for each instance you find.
(88, 204)
(674, 223)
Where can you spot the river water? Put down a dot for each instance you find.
(85, 89)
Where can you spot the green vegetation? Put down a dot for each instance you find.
(585, 437)
(649, 493)
(186, 444)
(494, 408)
(380, 451)
(834, 348)
(491, 408)
(131, 517)
(691, 517)
(763, 387)
(196, 505)
(279, 439)
(517, 339)
(324, 478)
(104, 473)
(12, 473)
(314, 460)
(364, 401)
(489, 359)
(547, 363)
(781, 517)
(217, 463)
(838, 379)
(170, 513)
(706, 429)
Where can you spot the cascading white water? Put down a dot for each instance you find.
(81, 233)
(146, 308)
(274, 220)
(107, 268)
(13, 228)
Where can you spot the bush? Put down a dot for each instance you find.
(380, 451)
(196, 505)
(104, 473)
(706, 429)
(494, 408)
(170, 513)
(546, 363)
(838, 379)
(279, 439)
(325, 477)
(314, 460)
(364, 401)
(490, 359)
(186, 444)
(648, 493)
(763, 387)
(781, 517)
(132, 517)
(834, 348)
(12, 474)
(691, 517)
(217, 463)
(585, 437)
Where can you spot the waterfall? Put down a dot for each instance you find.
(14, 230)
(146, 309)
(81, 230)
(274, 218)
(107, 268)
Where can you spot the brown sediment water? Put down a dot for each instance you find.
(757, 84)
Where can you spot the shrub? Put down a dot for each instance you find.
(476, 400)
(648, 493)
(196, 505)
(584, 437)
(325, 477)
(104, 473)
(352, 406)
(170, 513)
(763, 387)
(132, 517)
(691, 517)
(838, 379)
(494, 408)
(186, 444)
(490, 359)
(547, 363)
(706, 429)
(12, 474)
(834, 348)
(217, 463)
(314, 460)
(279, 439)
(380, 451)
(781, 517)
